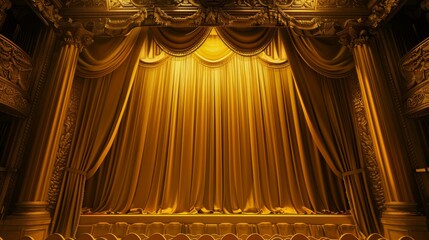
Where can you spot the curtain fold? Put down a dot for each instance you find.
(106, 55)
(103, 104)
(324, 55)
(331, 127)
(180, 41)
(197, 134)
(248, 41)
(230, 139)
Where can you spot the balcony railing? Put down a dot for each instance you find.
(15, 69)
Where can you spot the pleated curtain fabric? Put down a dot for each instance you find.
(167, 128)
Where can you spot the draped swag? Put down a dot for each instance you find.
(187, 125)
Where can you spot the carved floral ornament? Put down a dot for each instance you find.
(15, 68)
(415, 69)
(177, 13)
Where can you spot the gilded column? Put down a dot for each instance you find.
(31, 210)
(4, 6)
(400, 215)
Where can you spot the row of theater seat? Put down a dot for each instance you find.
(241, 230)
(230, 236)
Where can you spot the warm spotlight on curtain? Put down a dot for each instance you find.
(214, 131)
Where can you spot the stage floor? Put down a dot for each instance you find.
(318, 219)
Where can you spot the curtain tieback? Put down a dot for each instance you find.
(76, 171)
(352, 172)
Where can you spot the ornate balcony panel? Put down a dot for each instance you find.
(415, 69)
(15, 68)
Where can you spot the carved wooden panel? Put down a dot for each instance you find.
(15, 68)
(415, 69)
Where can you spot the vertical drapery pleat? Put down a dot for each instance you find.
(331, 127)
(230, 139)
(324, 55)
(103, 106)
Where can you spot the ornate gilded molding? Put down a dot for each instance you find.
(15, 68)
(120, 27)
(11, 100)
(85, 4)
(74, 33)
(381, 11)
(71, 31)
(417, 100)
(15, 64)
(65, 145)
(355, 32)
(367, 147)
(49, 12)
(340, 4)
(415, 65)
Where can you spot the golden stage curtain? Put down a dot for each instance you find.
(324, 55)
(327, 111)
(247, 41)
(180, 41)
(102, 106)
(195, 137)
(214, 132)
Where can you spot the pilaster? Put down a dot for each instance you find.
(31, 216)
(400, 215)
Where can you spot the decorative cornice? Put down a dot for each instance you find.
(49, 12)
(85, 4)
(163, 19)
(214, 16)
(381, 11)
(71, 31)
(122, 27)
(367, 147)
(340, 4)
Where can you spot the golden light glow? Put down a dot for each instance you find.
(213, 51)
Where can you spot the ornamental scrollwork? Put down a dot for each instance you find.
(122, 4)
(13, 99)
(49, 12)
(85, 3)
(74, 33)
(355, 32)
(367, 147)
(164, 19)
(415, 65)
(291, 4)
(418, 100)
(121, 27)
(380, 11)
(15, 64)
(340, 4)
(64, 146)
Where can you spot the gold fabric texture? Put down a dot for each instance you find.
(201, 131)
(226, 139)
